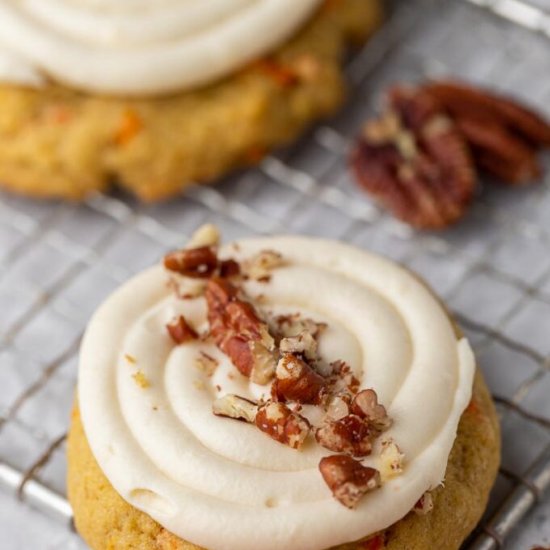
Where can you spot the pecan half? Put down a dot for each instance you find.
(348, 479)
(239, 332)
(297, 381)
(180, 331)
(503, 135)
(197, 263)
(282, 424)
(365, 404)
(415, 162)
(234, 406)
(350, 435)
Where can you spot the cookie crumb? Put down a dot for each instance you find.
(141, 380)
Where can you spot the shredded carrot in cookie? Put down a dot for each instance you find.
(281, 74)
(129, 127)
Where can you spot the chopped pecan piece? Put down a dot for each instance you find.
(342, 381)
(239, 332)
(350, 435)
(282, 424)
(337, 407)
(206, 235)
(391, 459)
(304, 344)
(234, 406)
(180, 331)
(229, 268)
(424, 505)
(348, 479)
(297, 381)
(415, 162)
(292, 325)
(365, 404)
(206, 363)
(260, 266)
(197, 263)
(503, 135)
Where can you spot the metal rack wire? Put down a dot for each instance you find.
(57, 261)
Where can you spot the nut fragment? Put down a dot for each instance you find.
(206, 235)
(297, 381)
(197, 263)
(424, 505)
(292, 325)
(365, 404)
(348, 479)
(206, 363)
(180, 331)
(282, 424)
(303, 343)
(391, 460)
(342, 381)
(503, 135)
(260, 266)
(414, 161)
(350, 435)
(239, 332)
(234, 406)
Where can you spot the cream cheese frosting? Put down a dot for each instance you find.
(139, 46)
(223, 484)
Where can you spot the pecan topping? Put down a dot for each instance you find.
(503, 135)
(415, 162)
(391, 460)
(303, 343)
(293, 325)
(206, 235)
(282, 424)
(348, 479)
(180, 331)
(239, 332)
(365, 404)
(229, 268)
(197, 263)
(233, 406)
(297, 381)
(260, 266)
(350, 435)
(343, 382)
(424, 505)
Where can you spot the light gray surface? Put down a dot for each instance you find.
(57, 262)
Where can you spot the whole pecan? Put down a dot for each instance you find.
(415, 162)
(348, 479)
(282, 424)
(197, 263)
(503, 135)
(297, 381)
(239, 332)
(350, 434)
(180, 331)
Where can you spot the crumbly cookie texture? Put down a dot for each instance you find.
(59, 143)
(107, 522)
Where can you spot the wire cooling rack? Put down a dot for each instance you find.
(58, 261)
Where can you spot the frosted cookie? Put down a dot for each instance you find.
(156, 96)
(278, 392)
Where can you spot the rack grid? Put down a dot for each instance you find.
(58, 261)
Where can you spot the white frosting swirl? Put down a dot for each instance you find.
(139, 46)
(225, 485)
